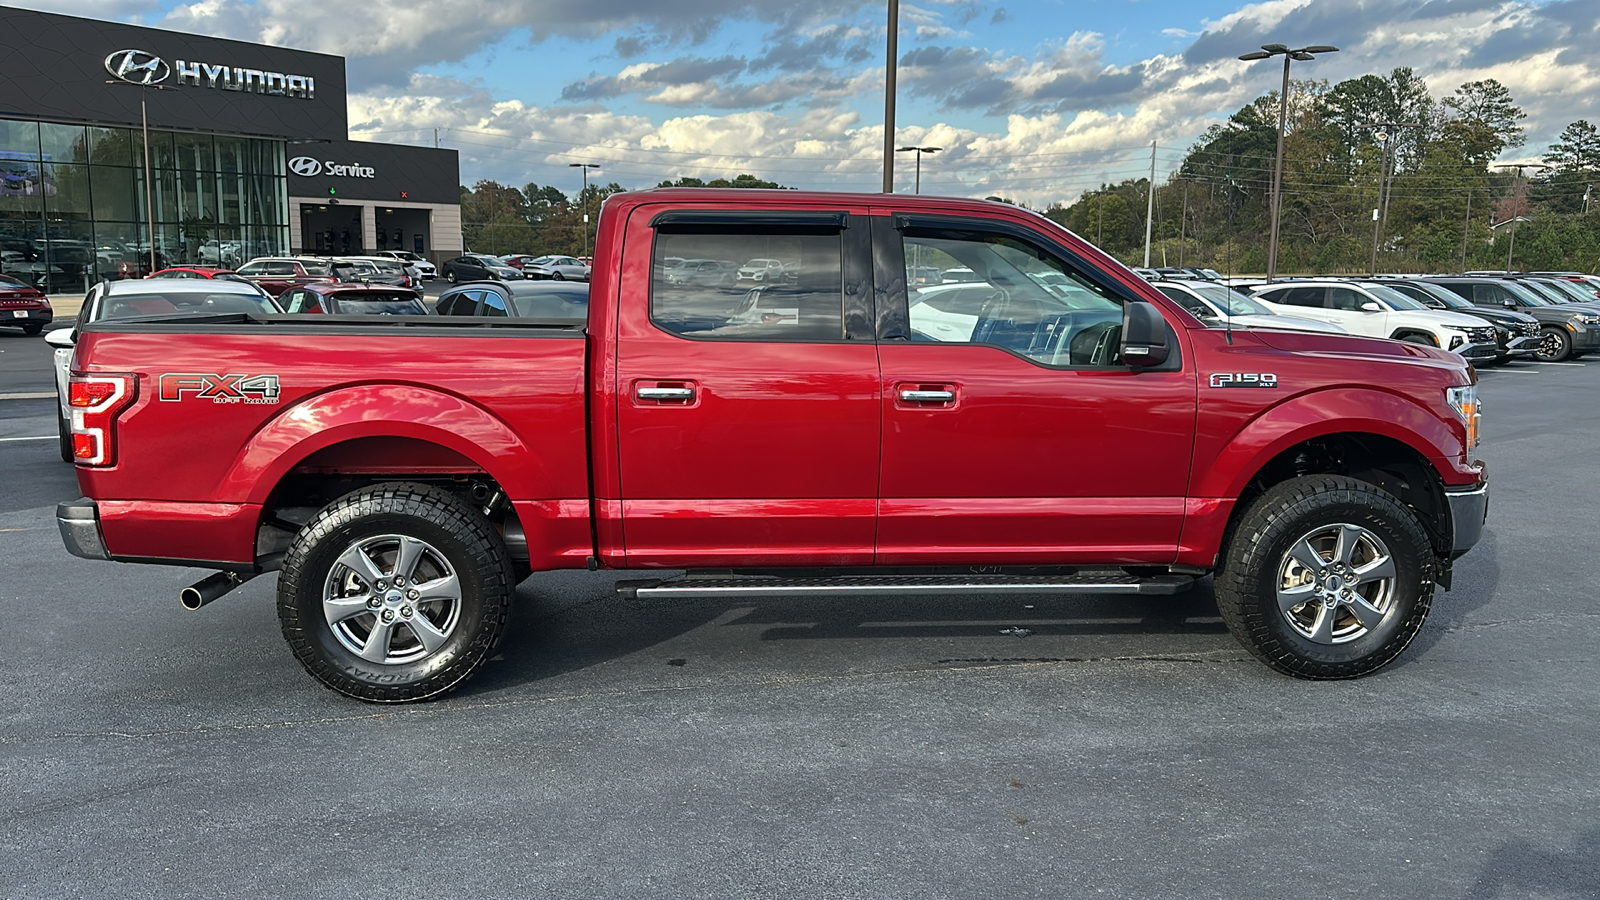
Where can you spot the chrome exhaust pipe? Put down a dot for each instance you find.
(210, 588)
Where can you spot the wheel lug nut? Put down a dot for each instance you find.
(405, 612)
(374, 603)
(381, 585)
(412, 595)
(388, 615)
(399, 581)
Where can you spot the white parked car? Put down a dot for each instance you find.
(762, 271)
(1373, 309)
(556, 268)
(1209, 300)
(424, 268)
(142, 297)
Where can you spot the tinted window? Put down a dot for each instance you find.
(1299, 296)
(493, 304)
(253, 269)
(805, 304)
(1345, 299)
(375, 303)
(1020, 297)
(280, 268)
(456, 304)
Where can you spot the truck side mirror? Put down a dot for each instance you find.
(1144, 335)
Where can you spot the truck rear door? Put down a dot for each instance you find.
(1025, 441)
(747, 417)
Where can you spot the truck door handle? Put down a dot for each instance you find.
(915, 396)
(665, 393)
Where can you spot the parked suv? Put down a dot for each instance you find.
(1569, 330)
(1209, 300)
(1517, 335)
(1365, 307)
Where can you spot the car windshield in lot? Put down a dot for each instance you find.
(1226, 298)
(1394, 298)
(155, 303)
(361, 303)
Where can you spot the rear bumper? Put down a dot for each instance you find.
(79, 521)
(28, 317)
(1469, 509)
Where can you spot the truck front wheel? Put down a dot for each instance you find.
(1326, 577)
(394, 593)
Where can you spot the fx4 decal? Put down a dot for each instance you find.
(256, 389)
(1244, 380)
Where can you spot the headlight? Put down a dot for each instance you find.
(1589, 320)
(1464, 400)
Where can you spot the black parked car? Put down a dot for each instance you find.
(1517, 334)
(479, 267)
(1569, 330)
(563, 300)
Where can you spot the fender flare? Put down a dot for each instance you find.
(380, 410)
(1317, 414)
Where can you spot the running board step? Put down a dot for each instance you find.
(902, 585)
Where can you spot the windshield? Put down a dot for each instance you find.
(1393, 297)
(1449, 298)
(375, 303)
(1226, 298)
(134, 306)
(1571, 290)
(1533, 298)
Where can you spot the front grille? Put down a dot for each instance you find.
(1481, 335)
(1528, 329)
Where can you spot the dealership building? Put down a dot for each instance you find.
(248, 155)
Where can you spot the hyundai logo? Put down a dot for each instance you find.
(305, 166)
(138, 67)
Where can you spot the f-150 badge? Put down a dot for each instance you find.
(1244, 380)
(253, 389)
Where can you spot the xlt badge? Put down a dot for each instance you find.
(1244, 380)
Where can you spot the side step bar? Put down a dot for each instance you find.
(1103, 582)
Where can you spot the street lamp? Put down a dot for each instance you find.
(1303, 54)
(1516, 203)
(888, 97)
(583, 198)
(919, 151)
(149, 194)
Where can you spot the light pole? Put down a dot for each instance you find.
(919, 151)
(1303, 54)
(1516, 203)
(149, 193)
(888, 98)
(584, 199)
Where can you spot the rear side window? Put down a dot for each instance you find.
(1299, 296)
(802, 301)
(457, 304)
(279, 268)
(493, 304)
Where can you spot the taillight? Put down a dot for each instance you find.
(96, 401)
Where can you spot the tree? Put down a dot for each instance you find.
(742, 181)
(1486, 114)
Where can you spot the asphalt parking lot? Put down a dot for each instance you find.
(814, 748)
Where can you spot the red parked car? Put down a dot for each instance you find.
(807, 436)
(23, 306)
(206, 272)
(278, 274)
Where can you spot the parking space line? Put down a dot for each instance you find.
(1579, 365)
(48, 437)
(1511, 371)
(31, 395)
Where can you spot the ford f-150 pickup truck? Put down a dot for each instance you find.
(401, 474)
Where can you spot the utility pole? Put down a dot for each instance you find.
(1380, 214)
(1183, 216)
(1466, 229)
(1516, 203)
(583, 197)
(1150, 205)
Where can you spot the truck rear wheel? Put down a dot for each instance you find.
(1326, 577)
(394, 593)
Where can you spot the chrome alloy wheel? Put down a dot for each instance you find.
(392, 599)
(1336, 584)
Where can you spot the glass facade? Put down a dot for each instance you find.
(73, 202)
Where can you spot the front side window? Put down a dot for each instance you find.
(1001, 291)
(801, 299)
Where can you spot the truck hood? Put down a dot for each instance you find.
(1357, 347)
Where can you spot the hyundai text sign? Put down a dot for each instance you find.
(137, 67)
(310, 167)
(143, 68)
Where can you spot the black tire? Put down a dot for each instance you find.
(1364, 632)
(460, 555)
(33, 329)
(557, 276)
(1423, 339)
(64, 437)
(1555, 346)
(450, 275)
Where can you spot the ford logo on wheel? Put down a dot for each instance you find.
(138, 67)
(305, 166)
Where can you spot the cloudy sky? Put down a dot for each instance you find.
(1037, 100)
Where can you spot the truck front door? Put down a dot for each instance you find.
(747, 417)
(1025, 441)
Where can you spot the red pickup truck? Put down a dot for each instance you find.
(1071, 429)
